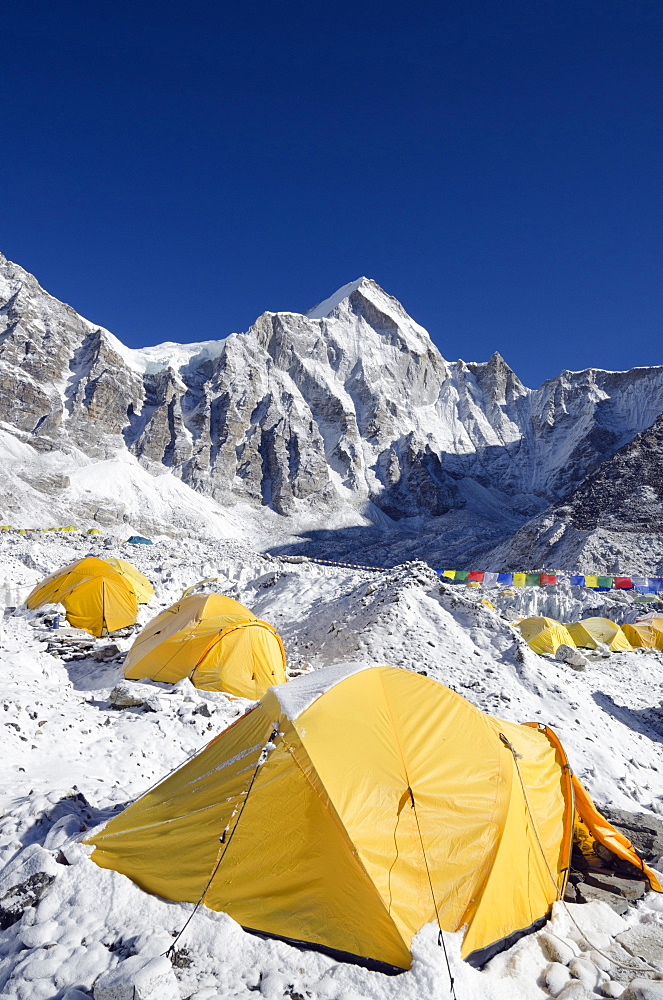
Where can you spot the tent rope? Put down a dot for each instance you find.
(560, 897)
(440, 936)
(225, 841)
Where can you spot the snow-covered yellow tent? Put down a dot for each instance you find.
(95, 597)
(143, 588)
(215, 641)
(589, 631)
(355, 804)
(545, 635)
(644, 635)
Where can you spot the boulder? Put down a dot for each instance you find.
(128, 694)
(138, 978)
(586, 893)
(643, 830)
(644, 941)
(643, 989)
(628, 888)
(611, 989)
(586, 972)
(575, 991)
(557, 976)
(108, 652)
(24, 881)
(556, 949)
(574, 658)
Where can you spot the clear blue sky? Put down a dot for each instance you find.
(173, 170)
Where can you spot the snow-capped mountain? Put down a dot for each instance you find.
(346, 418)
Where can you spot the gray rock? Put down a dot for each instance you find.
(587, 893)
(556, 949)
(24, 881)
(128, 694)
(599, 960)
(557, 976)
(108, 652)
(585, 971)
(611, 989)
(32, 860)
(643, 989)
(643, 830)
(138, 978)
(627, 888)
(575, 991)
(644, 941)
(574, 658)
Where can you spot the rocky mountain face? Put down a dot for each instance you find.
(349, 408)
(613, 518)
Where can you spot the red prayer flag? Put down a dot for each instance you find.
(623, 583)
(547, 578)
(476, 576)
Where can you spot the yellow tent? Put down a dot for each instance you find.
(545, 635)
(93, 531)
(644, 635)
(653, 618)
(95, 597)
(142, 586)
(589, 631)
(215, 641)
(354, 805)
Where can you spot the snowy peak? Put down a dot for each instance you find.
(323, 309)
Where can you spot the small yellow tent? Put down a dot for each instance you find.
(95, 597)
(589, 631)
(356, 804)
(644, 635)
(653, 618)
(142, 586)
(215, 641)
(544, 635)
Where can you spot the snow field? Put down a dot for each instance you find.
(71, 760)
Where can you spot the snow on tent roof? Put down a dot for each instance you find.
(300, 692)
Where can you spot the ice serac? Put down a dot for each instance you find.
(347, 415)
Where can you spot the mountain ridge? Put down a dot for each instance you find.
(347, 413)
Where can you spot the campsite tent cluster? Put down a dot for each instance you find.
(215, 641)
(349, 807)
(546, 635)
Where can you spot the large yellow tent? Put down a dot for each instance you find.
(355, 804)
(589, 631)
(215, 641)
(545, 635)
(95, 597)
(644, 634)
(143, 588)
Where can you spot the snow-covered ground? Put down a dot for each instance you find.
(71, 759)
